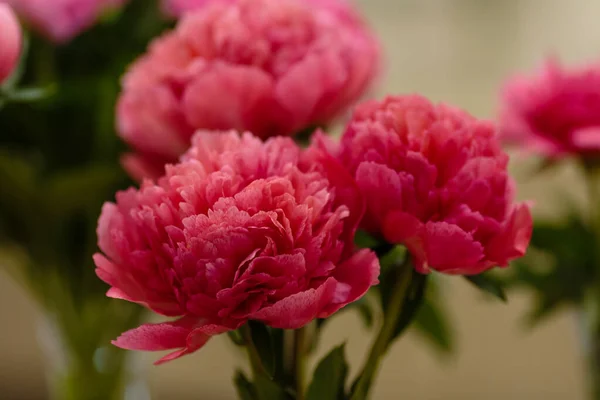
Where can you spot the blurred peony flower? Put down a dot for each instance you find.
(10, 41)
(272, 67)
(435, 180)
(239, 230)
(177, 8)
(62, 20)
(555, 113)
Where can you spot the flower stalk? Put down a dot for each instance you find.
(299, 364)
(253, 356)
(386, 333)
(592, 297)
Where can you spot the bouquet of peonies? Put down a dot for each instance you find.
(248, 219)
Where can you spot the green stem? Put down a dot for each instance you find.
(45, 64)
(386, 332)
(298, 366)
(253, 356)
(592, 297)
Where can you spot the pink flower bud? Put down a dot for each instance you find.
(10, 41)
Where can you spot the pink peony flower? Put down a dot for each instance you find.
(10, 41)
(435, 180)
(177, 8)
(239, 230)
(554, 113)
(62, 20)
(272, 67)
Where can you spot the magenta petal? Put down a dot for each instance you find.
(385, 189)
(403, 228)
(587, 138)
(139, 167)
(513, 241)
(398, 227)
(10, 41)
(347, 192)
(358, 273)
(295, 311)
(227, 97)
(156, 337)
(450, 249)
(187, 334)
(327, 74)
(124, 287)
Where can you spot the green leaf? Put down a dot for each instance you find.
(431, 321)
(261, 337)
(414, 300)
(245, 388)
(268, 389)
(26, 95)
(414, 297)
(329, 378)
(489, 285)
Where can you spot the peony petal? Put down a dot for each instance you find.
(513, 241)
(10, 41)
(186, 334)
(400, 227)
(385, 189)
(326, 74)
(358, 273)
(450, 249)
(141, 167)
(151, 120)
(229, 97)
(124, 287)
(587, 138)
(297, 310)
(347, 192)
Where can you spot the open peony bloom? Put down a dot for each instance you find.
(239, 230)
(10, 41)
(435, 180)
(555, 113)
(272, 67)
(62, 20)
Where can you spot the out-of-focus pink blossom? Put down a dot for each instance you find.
(10, 41)
(62, 20)
(342, 8)
(435, 180)
(239, 230)
(272, 67)
(554, 113)
(177, 8)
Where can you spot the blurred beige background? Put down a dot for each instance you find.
(456, 51)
